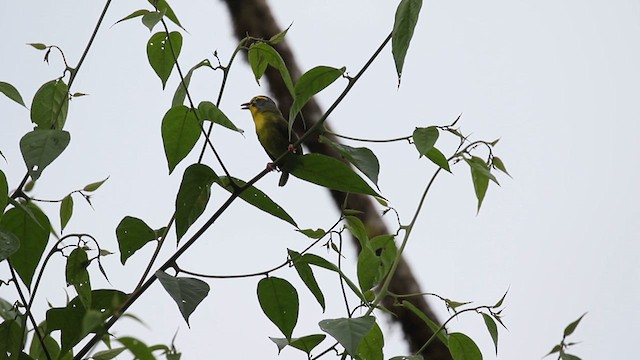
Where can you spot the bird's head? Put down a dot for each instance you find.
(261, 104)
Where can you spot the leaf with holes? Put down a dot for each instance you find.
(279, 301)
(349, 332)
(188, 293)
(33, 234)
(193, 196)
(70, 320)
(161, 55)
(41, 147)
(78, 276)
(132, 234)
(9, 244)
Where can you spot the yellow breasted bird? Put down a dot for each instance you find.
(273, 131)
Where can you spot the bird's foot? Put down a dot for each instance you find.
(291, 148)
(270, 166)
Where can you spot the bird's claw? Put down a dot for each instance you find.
(291, 148)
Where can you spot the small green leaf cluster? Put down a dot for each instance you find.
(564, 345)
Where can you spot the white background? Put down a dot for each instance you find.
(556, 81)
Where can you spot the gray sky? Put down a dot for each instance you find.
(556, 81)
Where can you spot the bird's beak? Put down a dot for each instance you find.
(245, 106)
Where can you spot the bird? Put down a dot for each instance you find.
(273, 132)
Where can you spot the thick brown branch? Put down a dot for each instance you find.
(254, 18)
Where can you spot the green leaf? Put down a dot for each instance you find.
(94, 186)
(33, 236)
(362, 158)
(4, 192)
(78, 276)
(454, 305)
(188, 293)
(180, 132)
(441, 334)
(438, 158)
(385, 247)
(311, 83)
(36, 351)
(40, 147)
(462, 347)
(279, 37)
(132, 234)
(69, 320)
(323, 263)
(371, 346)
(159, 53)
(566, 356)
(108, 354)
(499, 303)
(572, 327)
(152, 18)
(66, 210)
(305, 343)
(279, 301)
(368, 269)
(181, 91)
(134, 15)
(403, 27)
(261, 55)
(50, 105)
(9, 244)
(208, 111)
(11, 92)
(306, 274)
(425, 138)
(357, 229)
(408, 357)
(349, 332)
(498, 164)
(328, 172)
(38, 46)
(492, 328)
(193, 196)
(312, 234)
(139, 349)
(11, 334)
(163, 6)
(479, 171)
